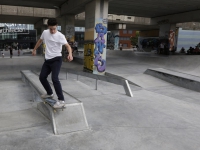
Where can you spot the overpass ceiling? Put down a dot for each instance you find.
(140, 8)
(152, 8)
(19, 19)
(34, 3)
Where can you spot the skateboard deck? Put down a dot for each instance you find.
(51, 102)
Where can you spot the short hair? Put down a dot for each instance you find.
(52, 22)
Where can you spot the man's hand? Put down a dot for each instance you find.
(70, 57)
(34, 52)
(39, 42)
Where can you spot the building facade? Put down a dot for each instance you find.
(23, 34)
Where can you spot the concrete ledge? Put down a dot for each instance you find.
(71, 119)
(176, 78)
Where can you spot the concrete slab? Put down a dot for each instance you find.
(147, 81)
(180, 93)
(108, 138)
(78, 89)
(16, 95)
(21, 119)
(144, 111)
(159, 117)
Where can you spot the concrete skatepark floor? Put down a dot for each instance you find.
(159, 116)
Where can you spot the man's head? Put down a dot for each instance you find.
(52, 25)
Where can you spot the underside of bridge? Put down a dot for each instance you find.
(142, 8)
(154, 9)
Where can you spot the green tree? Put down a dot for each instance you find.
(134, 40)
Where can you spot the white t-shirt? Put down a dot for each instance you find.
(53, 43)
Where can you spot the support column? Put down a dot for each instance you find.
(41, 49)
(68, 27)
(167, 31)
(96, 14)
(114, 39)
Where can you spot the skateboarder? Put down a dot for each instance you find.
(53, 40)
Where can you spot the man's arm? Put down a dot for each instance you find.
(70, 57)
(39, 42)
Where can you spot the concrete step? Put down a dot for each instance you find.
(177, 78)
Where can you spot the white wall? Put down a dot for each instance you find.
(187, 38)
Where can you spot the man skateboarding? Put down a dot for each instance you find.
(53, 40)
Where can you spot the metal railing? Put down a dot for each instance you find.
(122, 82)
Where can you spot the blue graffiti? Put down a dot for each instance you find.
(99, 46)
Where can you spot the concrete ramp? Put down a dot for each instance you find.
(177, 78)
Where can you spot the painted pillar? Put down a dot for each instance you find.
(96, 14)
(168, 31)
(113, 41)
(68, 27)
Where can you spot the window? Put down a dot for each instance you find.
(124, 31)
(130, 32)
(125, 45)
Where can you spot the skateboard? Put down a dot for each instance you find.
(51, 102)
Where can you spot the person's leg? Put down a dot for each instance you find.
(46, 70)
(55, 67)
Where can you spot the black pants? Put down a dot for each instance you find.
(52, 66)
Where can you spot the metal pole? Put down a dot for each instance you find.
(96, 85)
(127, 89)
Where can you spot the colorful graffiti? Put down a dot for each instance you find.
(113, 40)
(171, 40)
(99, 62)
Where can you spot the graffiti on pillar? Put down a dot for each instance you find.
(113, 40)
(171, 40)
(70, 31)
(99, 62)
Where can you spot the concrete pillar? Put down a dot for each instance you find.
(168, 31)
(68, 27)
(41, 49)
(165, 29)
(96, 14)
(113, 40)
